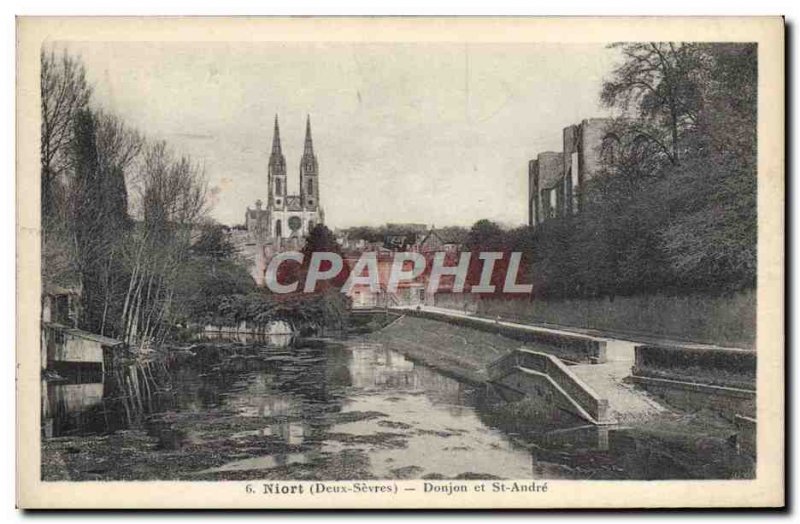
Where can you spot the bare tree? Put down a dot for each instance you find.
(170, 204)
(119, 215)
(118, 147)
(64, 92)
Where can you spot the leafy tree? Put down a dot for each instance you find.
(87, 221)
(486, 235)
(98, 220)
(214, 243)
(674, 208)
(306, 312)
(657, 80)
(321, 240)
(367, 233)
(117, 234)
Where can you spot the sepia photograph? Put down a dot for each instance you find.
(331, 269)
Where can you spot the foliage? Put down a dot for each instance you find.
(485, 235)
(657, 81)
(214, 243)
(169, 204)
(306, 312)
(210, 274)
(117, 212)
(321, 240)
(218, 291)
(64, 93)
(367, 233)
(674, 209)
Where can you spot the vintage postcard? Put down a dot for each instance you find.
(400, 262)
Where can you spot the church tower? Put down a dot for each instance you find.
(309, 173)
(287, 218)
(276, 173)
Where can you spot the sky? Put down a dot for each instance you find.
(430, 133)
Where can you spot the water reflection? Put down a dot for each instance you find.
(353, 410)
(64, 404)
(280, 340)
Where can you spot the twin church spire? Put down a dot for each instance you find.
(308, 148)
(309, 189)
(289, 216)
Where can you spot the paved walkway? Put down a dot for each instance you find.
(454, 313)
(626, 403)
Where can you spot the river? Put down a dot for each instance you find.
(337, 411)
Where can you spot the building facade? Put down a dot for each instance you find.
(556, 179)
(287, 218)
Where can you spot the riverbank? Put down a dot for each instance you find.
(464, 353)
(458, 351)
(336, 411)
(354, 409)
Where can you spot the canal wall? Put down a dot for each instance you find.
(458, 351)
(720, 379)
(728, 320)
(572, 347)
(746, 436)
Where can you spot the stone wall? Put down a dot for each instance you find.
(556, 178)
(573, 347)
(722, 320)
(705, 365)
(696, 378)
(533, 192)
(691, 396)
(551, 187)
(551, 169)
(593, 131)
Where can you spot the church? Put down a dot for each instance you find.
(287, 218)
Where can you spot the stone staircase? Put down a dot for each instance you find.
(538, 374)
(597, 393)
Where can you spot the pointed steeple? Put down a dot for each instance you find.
(309, 188)
(308, 150)
(276, 139)
(276, 170)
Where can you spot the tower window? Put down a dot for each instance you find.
(310, 185)
(310, 202)
(278, 186)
